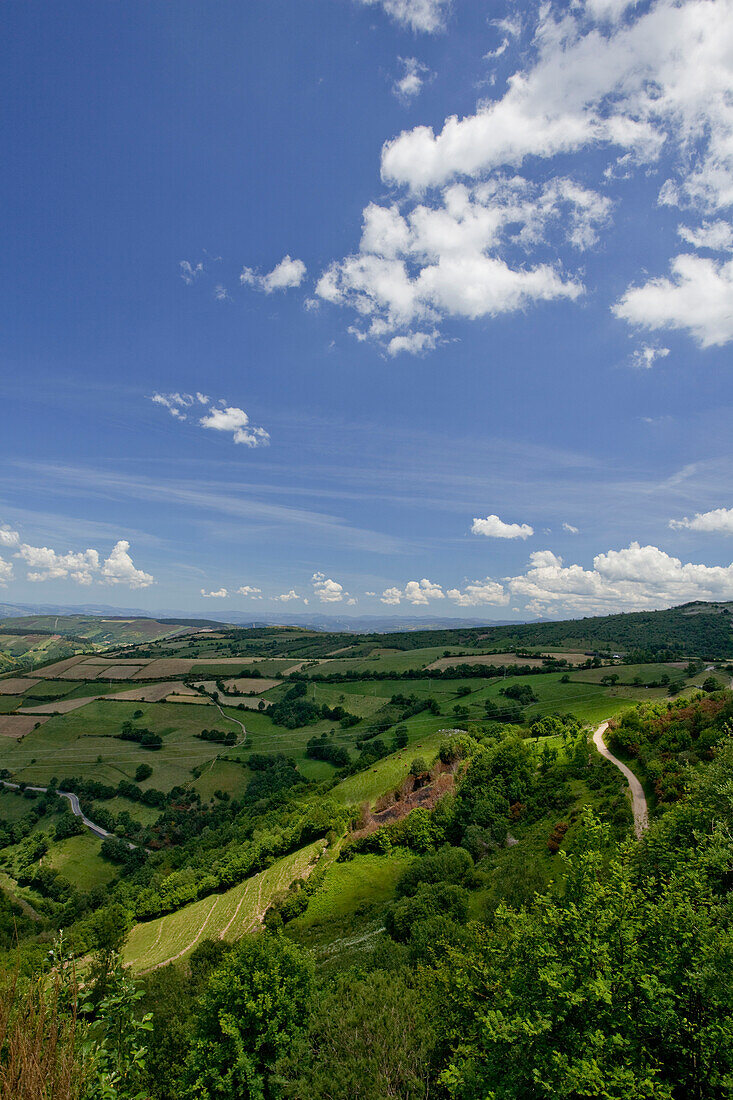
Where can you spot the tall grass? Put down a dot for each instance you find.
(40, 1056)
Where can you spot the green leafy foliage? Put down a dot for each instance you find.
(254, 1007)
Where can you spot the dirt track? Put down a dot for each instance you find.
(641, 812)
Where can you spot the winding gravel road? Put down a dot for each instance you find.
(641, 813)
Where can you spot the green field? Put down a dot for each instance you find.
(222, 775)
(224, 916)
(380, 660)
(77, 858)
(264, 736)
(82, 743)
(13, 806)
(346, 912)
(145, 815)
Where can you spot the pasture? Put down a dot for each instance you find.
(83, 743)
(77, 858)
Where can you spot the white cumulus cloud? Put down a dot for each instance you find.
(717, 521)
(391, 595)
(6, 572)
(219, 594)
(288, 273)
(421, 592)
(84, 567)
(410, 83)
(444, 258)
(8, 537)
(250, 591)
(418, 15)
(286, 596)
(327, 590)
(479, 592)
(228, 418)
(636, 82)
(219, 417)
(119, 568)
(717, 236)
(494, 528)
(570, 529)
(698, 298)
(635, 578)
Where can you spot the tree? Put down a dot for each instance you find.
(108, 930)
(605, 987)
(368, 1037)
(418, 766)
(711, 684)
(68, 825)
(401, 737)
(255, 1005)
(143, 772)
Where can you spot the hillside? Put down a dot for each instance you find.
(30, 640)
(363, 819)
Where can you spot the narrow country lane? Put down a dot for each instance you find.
(75, 809)
(641, 814)
(237, 722)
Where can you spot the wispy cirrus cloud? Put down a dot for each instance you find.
(190, 272)
(217, 497)
(646, 356)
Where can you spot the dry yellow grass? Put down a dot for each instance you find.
(199, 700)
(59, 706)
(246, 684)
(18, 725)
(16, 685)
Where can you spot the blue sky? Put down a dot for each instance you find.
(453, 283)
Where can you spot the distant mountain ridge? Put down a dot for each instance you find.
(700, 627)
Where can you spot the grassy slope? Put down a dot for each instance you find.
(348, 906)
(386, 774)
(224, 916)
(77, 858)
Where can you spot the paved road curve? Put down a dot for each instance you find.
(641, 814)
(75, 809)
